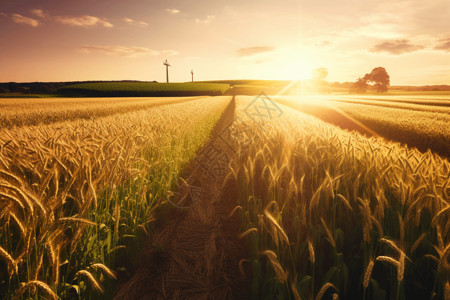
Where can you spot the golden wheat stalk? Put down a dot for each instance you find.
(388, 259)
(368, 273)
(392, 244)
(12, 266)
(417, 242)
(330, 236)
(94, 283)
(295, 290)
(234, 211)
(312, 256)
(35, 283)
(241, 267)
(401, 268)
(105, 270)
(247, 232)
(279, 229)
(76, 220)
(281, 275)
(324, 288)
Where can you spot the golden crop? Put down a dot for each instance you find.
(329, 205)
(28, 112)
(408, 124)
(52, 183)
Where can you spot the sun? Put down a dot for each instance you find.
(295, 64)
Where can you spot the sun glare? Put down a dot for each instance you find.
(295, 64)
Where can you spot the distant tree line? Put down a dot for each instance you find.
(41, 87)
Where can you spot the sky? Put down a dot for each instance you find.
(75, 40)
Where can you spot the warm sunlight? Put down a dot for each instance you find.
(295, 63)
(257, 149)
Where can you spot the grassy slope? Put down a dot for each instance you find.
(143, 89)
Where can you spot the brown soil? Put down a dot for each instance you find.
(199, 249)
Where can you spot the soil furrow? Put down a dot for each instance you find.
(200, 250)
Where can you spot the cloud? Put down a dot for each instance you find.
(169, 52)
(173, 11)
(24, 20)
(244, 52)
(125, 51)
(207, 20)
(83, 21)
(322, 44)
(396, 47)
(2, 14)
(39, 13)
(134, 22)
(444, 45)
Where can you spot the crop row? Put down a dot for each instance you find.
(75, 196)
(424, 130)
(26, 112)
(395, 104)
(328, 213)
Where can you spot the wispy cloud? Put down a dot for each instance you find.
(25, 20)
(134, 22)
(169, 52)
(321, 44)
(125, 51)
(396, 47)
(173, 11)
(83, 21)
(207, 20)
(443, 45)
(39, 13)
(250, 51)
(2, 14)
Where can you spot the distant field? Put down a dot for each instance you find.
(433, 98)
(143, 89)
(435, 106)
(424, 126)
(33, 111)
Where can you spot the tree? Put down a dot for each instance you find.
(380, 78)
(318, 79)
(360, 86)
(320, 74)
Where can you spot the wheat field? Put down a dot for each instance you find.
(329, 213)
(86, 186)
(72, 193)
(424, 126)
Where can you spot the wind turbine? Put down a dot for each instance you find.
(166, 63)
(192, 73)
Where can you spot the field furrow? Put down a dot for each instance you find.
(199, 237)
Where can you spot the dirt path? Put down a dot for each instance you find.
(200, 250)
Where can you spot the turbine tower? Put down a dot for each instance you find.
(166, 63)
(192, 73)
